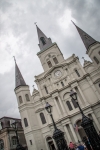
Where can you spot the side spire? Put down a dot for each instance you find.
(87, 39)
(44, 42)
(19, 80)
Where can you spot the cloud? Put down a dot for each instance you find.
(19, 38)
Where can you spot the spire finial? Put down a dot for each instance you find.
(73, 22)
(35, 23)
(14, 59)
(83, 58)
(33, 87)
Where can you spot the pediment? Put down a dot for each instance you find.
(97, 81)
(53, 68)
(39, 110)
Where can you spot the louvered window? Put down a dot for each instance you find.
(49, 64)
(43, 40)
(55, 60)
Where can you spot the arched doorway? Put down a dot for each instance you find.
(80, 129)
(1, 144)
(50, 143)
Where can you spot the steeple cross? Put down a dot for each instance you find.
(14, 58)
(83, 58)
(35, 23)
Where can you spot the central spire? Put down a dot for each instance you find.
(44, 42)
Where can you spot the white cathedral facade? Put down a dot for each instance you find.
(54, 84)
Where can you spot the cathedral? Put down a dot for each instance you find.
(54, 84)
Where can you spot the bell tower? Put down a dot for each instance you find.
(24, 100)
(50, 53)
(92, 46)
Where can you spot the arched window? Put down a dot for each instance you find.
(43, 40)
(14, 140)
(69, 105)
(20, 100)
(49, 64)
(77, 72)
(55, 60)
(1, 144)
(96, 60)
(42, 118)
(27, 97)
(62, 84)
(25, 122)
(46, 89)
(74, 103)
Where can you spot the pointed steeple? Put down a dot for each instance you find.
(19, 80)
(87, 40)
(44, 42)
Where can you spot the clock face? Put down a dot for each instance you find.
(58, 73)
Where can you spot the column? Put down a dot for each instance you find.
(79, 138)
(96, 121)
(73, 132)
(60, 101)
(47, 115)
(49, 80)
(81, 67)
(93, 87)
(57, 106)
(86, 102)
(78, 96)
(70, 74)
(54, 143)
(53, 86)
(67, 134)
(39, 89)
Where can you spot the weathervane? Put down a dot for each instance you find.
(35, 23)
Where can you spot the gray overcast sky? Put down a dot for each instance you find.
(18, 37)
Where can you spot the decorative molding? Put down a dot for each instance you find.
(39, 110)
(98, 80)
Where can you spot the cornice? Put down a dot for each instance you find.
(20, 86)
(46, 48)
(98, 80)
(39, 110)
(92, 46)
